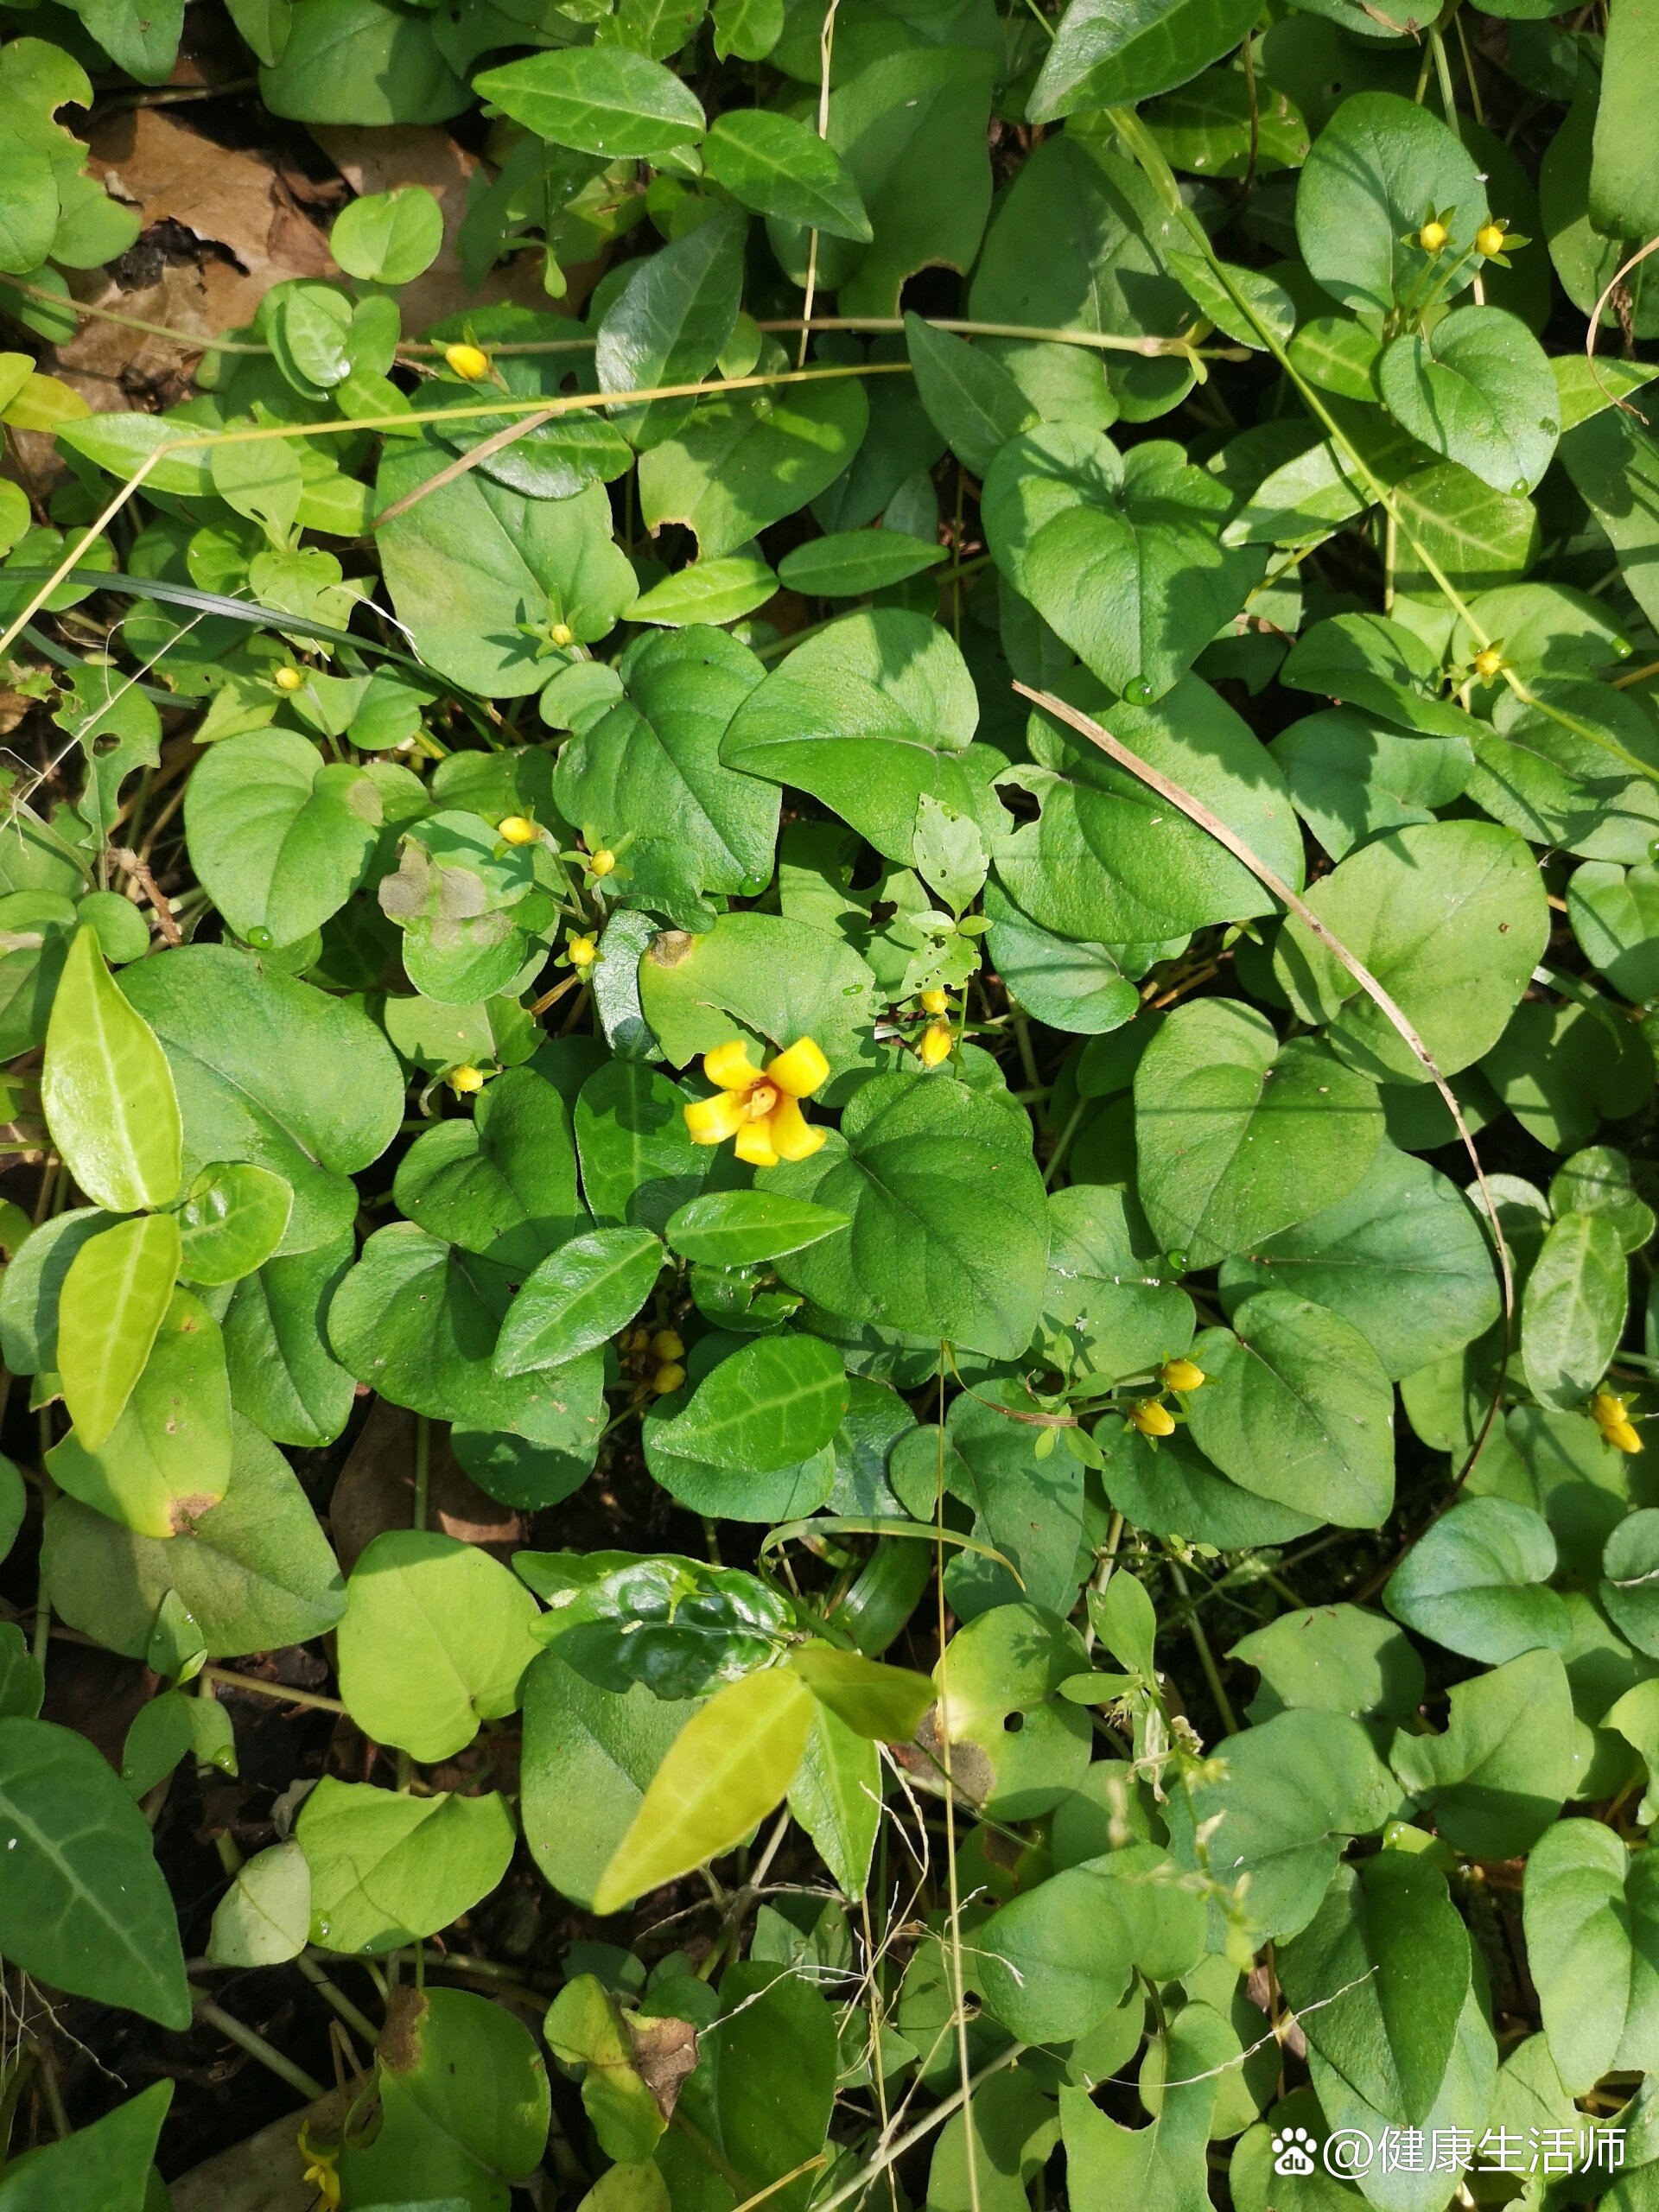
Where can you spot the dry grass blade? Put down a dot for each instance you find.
(1196, 811)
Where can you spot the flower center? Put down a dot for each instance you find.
(761, 1099)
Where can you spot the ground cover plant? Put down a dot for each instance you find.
(828, 920)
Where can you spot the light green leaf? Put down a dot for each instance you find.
(106, 1089)
(1162, 2163)
(1478, 388)
(749, 459)
(1118, 53)
(971, 399)
(836, 1797)
(772, 1404)
(598, 100)
(264, 1918)
(1591, 1914)
(1377, 171)
(435, 1638)
(1573, 1309)
(726, 1768)
(387, 1869)
(279, 837)
(734, 1229)
(578, 1297)
(1497, 1778)
(778, 167)
(114, 1297)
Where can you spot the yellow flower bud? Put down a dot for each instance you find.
(517, 829)
(1433, 236)
(581, 952)
(936, 1001)
(468, 362)
(288, 679)
(601, 862)
(1606, 1409)
(670, 1376)
(637, 1340)
(1489, 239)
(936, 1044)
(666, 1345)
(562, 635)
(465, 1079)
(1182, 1375)
(1152, 1419)
(1622, 1435)
(1488, 662)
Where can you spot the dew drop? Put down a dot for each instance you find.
(1138, 691)
(1177, 1260)
(261, 939)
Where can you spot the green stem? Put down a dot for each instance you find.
(250, 2040)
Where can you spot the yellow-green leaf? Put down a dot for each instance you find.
(725, 1770)
(115, 1296)
(108, 1090)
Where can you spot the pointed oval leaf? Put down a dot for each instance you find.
(114, 1299)
(108, 1090)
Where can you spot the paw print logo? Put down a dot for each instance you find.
(1293, 2152)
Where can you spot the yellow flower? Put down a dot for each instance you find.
(601, 862)
(667, 1346)
(669, 1377)
(1152, 1419)
(936, 1001)
(1433, 236)
(936, 1044)
(1182, 1375)
(1489, 239)
(1608, 1412)
(319, 2171)
(470, 363)
(288, 679)
(1487, 661)
(561, 635)
(581, 952)
(517, 829)
(760, 1108)
(465, 1079)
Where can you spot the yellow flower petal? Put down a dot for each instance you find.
(792, 1134)
(755, 1144)
(1183, 1374)
(730, 1066)
(799, 1071)
(711, 1120)
(1152, 1419)
(1622, 1436)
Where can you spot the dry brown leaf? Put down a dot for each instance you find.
(376, 1492)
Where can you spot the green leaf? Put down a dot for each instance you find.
(767, 978)
(869, 715)
(589, 1754)
(1238, 1137)
(23, 1679)
(435, 1637)
(1478, 390)
(638, 1160)
(233, 1217)
(671, 320)
(836, 1797)
(675, 1625)
(387, 1869)
(1335, 1658)
(1403, 1257)
(166, 1460)
(1474, 1582)
(1573, 1309)
(1614, 917)
(1380, 1975)
(1016, 1748)
(1497, 1778)
(772, 1404)
(706, 592)
(388, 237)
(725, 1770)
(1108, 860)
(778, 167)
(273, 1071)
(503, 1184)
(255, 1574)
(106, 1086)
(84, 1905)
(1350, 775)
(1294, 1789)
(1377, 171)
(105, 2167)
(264, 1918)
(1297, 1409)
(1119, 553)
(1449, 916)
(884, 1703)
(948, 1232)
(419, 1320)
(578, 1297)
(749, 459)
(649, 775)
(1056, 1960)
(1624, 178)
(598, 100)
(114, 1297)
(279, 837)
(1163, 2164)
(1072, 986)
(1118, 53)
(848, 563)
(1628, 1588)
(734, 1229)
(971, 399)
(1591, 1912)
(586, 2027)
(283, 1377)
